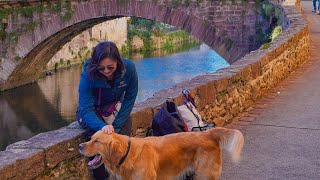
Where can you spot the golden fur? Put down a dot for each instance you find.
(166, 157)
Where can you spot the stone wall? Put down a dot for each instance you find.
(220, 96)
(80, 47)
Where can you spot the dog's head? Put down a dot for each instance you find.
(99, 144)
(109, 146)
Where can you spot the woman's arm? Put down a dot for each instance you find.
(128, 102)
(86, 105)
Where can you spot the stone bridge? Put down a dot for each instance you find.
(32, 31)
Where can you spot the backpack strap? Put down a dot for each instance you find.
(187, 97)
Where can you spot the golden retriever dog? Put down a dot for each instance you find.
(166, 157)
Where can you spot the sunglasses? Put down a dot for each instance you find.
(102, 68)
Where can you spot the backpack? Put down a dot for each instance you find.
(168, 120)
(190, 114)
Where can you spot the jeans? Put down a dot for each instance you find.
(314, 4)
(100, 173)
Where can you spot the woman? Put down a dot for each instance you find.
(105, 80)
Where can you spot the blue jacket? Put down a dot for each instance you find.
(126, 83)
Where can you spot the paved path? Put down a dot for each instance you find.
(282, 131)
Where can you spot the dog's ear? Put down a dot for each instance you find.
(116, 150)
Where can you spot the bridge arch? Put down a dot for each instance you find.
(221, 26)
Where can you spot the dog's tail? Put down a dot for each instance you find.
(230, 139)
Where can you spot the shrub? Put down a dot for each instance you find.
(276, 31)
(56, 65)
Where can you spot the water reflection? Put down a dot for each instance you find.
(61, 90)
(25, 112)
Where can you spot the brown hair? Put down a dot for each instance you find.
(104, 50)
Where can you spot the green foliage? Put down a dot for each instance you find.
(168, 45)
(175, 3)
(29, 26)
(4, 13)
(266, 45)
(145, 29)
(94, 39)
(57, 7)
(222, 94)
(141, 24)
(141, 28)
(88, 53)
(56, 65)
(68, 11)
(122, 2)
(157, 31)
(261, 37)
(62, 8)
(235, 80)
(187, 2)
(2, 32)
(198, 2)
(276, 31)
(61, 61)
(68, 63)
(278, 14)
(17, 58)
(125, 50)
(13, 37)
(269, 13)
(26, 11)
(79, 55)
(268, 9)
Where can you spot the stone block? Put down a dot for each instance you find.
(219, 121)
(75, 125)
(178, 100)
(21, 163)
(58, 145)
(141, 119)
(211, 92)
(153, 103)
(256, 70)
(221, 84)
(264, 61)
(246, 73)
(202, 90)
(7, 165)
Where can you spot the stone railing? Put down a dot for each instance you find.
(220, 97)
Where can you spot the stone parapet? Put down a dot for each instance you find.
(220, 96)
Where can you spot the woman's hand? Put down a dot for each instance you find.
(108, 129)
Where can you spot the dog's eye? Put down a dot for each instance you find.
(95, 141)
